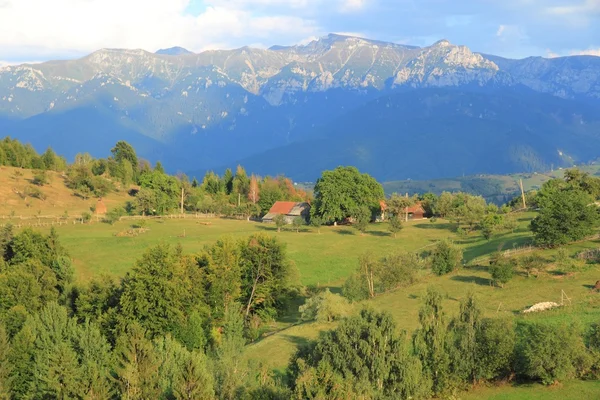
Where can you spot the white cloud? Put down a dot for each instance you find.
(588, 52)
(42, 28)
(352, 5)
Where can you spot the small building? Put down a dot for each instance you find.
(289, 209)
(415, 211)
(100, 207)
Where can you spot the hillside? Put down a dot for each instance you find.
(188, 109)
(58, 198)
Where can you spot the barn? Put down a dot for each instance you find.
(289, 209)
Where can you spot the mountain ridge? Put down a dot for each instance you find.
(211, 108)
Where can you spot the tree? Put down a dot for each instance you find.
(193, 380)
(463, 332)
(495, 344)
(566, 215)
(550, 352)
(227, 181)
(430, 342)
(5, 368)
(395, 225)
(136, 365)
(231, 372)
(266, 273)
(446, 258)
(339, 193)
(297, 223)
(361, 218)
(152, 292)
(254, 190)
(124, 151)
(397, 205)
(280, 221)
(364, 357)
(324, 307)
(316, 222)
(502, 270)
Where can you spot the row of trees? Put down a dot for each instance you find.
(174, 327)
(366, 356)
(15, 154)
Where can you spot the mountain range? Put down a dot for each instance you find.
(393, 110)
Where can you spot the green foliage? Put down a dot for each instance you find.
(316, 222)
(550, 353)
(152, 293)
(566, 214)
(114, 215)
(267, 274)
(297, 223)
(361, 218)
(40, 178)
(430, 343)
(339, 193)
(446, 258)
(279, 221)
(324, 307)
(495, 343)
(395, 225)
(5, 367)
(364, 356)
(502, 270)
(123, 151)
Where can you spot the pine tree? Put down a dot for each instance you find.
(136, 365)
(194, 380)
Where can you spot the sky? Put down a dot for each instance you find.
(40, 30)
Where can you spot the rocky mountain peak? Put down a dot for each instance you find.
(174, 51)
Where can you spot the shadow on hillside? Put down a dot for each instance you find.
(589, 286)
(269, 228)
(344, 232)
(434, 225)
(472, 279)
(497, 243)
(296, 340)
(379, 233)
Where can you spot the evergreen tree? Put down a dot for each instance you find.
(5, 367)
(136, 365)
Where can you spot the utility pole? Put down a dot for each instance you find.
(522, 193)
(182, 200)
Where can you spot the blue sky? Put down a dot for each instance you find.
(38, 30)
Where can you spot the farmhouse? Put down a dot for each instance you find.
(414, 212)
(289, 209)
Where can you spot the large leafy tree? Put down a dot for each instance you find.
(153, 292)
(266, 273)
(567, 213)
(339, 193)
(364, 356)
(124, 151)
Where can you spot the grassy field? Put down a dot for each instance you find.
(567, 391)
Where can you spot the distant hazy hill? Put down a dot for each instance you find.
(298, 109)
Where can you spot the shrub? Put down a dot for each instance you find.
(114, 215)
(446, 258)
(86, 217)
(40, 178)
(495, 348)
(35, 192)
(280, 222)
(355, 289)
(502, 270)
(297, 223)
(324, 307)
(550, 353)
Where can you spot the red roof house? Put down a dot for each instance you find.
(289, 209)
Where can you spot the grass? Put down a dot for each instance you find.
(575, 390)
(59, 198)
(327, 259)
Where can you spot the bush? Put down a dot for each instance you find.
(502, 270)
(86, 217)
(35, 192)
(399, 269)
(355, 289)
(40, 178)
(114, 215)
(297, 223)
(280, 222)
(495, 348)
(324, 307)
(446, 258)
(550, 353)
